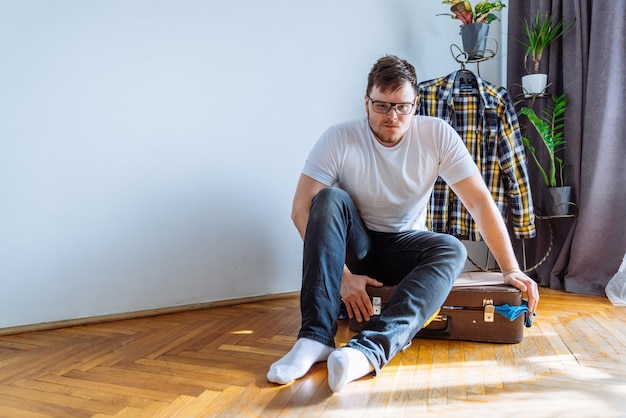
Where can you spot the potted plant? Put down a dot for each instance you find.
(549, 125)
(474, 23)
(540, 33)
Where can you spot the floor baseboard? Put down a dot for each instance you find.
(140, 314)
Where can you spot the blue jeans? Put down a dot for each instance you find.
(423, 265)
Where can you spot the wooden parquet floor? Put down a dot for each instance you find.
(212, 362)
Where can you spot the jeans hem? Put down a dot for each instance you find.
(316, 337)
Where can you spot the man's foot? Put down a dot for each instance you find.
(345, 365)
(297, 362)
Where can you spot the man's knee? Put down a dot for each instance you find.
(330, 195)
(327, 201)
(454, 248)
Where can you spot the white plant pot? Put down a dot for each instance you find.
(534, 83)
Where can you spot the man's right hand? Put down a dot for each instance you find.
(355, 297)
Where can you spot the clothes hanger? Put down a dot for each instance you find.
(464, 72)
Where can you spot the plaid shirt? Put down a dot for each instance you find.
(485, 118)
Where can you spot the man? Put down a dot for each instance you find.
(360, 208)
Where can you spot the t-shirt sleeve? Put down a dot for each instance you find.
(456, 163)
(322, 163)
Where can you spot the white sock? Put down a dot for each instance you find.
(345, 365)
(297, 362)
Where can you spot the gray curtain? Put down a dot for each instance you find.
(588, 64)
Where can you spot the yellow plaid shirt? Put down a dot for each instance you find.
(485, 118)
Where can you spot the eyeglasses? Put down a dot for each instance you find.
(385, 107)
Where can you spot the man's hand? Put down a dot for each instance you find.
(524, 283)
(354, 296)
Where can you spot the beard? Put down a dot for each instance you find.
(388, 132)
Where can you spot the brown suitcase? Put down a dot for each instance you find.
(468, 313)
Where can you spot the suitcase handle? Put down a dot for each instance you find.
(437, 333)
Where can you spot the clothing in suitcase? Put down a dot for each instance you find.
(480, 307)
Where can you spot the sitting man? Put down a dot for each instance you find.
(360, 208)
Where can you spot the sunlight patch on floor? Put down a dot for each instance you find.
(243, 332)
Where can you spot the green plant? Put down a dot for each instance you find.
(549, 125)
(482, 13)
(540, 34)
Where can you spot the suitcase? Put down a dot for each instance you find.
(469, 311)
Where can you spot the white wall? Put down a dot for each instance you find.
(149, 149)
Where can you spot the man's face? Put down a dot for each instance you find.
(390, 127)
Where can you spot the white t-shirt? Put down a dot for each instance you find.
(390, 186)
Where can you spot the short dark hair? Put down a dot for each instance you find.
(389, 73)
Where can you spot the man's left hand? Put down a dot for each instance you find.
(524, 283)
